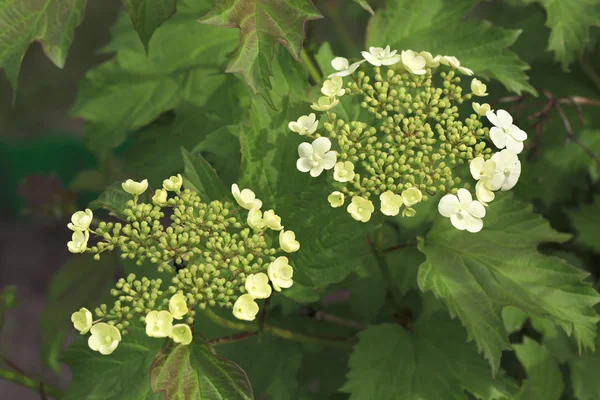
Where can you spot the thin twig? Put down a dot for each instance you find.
(571, 135)
(263, 315)
(399, 247)
(332, 319)
(33, 384)
(232, 338)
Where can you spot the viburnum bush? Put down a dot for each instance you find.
(296, 210)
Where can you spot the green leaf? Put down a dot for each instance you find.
(262, 24)
(51, 22)
(193, 372)
(132, 89)
(477, 275)
(433, 362)
(114, 199)
(440, 27)
(544, 379)
(147, 15)
(365, 4)
(586, 221)
(118, 376)
(80, 282)
(221, 148)
(201, 177)
(584, 376)
(570, 24)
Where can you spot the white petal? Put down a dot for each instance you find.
(303, 165)
(513, 177)
(498, 137)
(329, 160)
(484, 194)
(305, 150)
(339, 63)
(476, 167)
(390, 60)
(294, 127)
(513, 145)
(504, 118)
(371, 59)
(321, 145)
(517, 133)
(476, 209)
(458, 221)
(316, 171)
(473, 224)
(448, 205)
(465, 197)
(492, 118)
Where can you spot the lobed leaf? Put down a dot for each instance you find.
(544, 378)
(148, 15)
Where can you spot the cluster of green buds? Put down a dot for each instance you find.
(218, 254)
(410, 138)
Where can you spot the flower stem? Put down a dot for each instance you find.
(312, 68)
(335, 341)
(33, 384)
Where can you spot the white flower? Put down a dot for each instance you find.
(135, 188)
(344, 171)
(272, 220)
(409, 212)
(160, 197)
(288, 242)
(411, 196)
(246, 198)
(483, 172)
(360, 209)
(173, 184)
(306, 125)
(280, 273)
(481, 109)
(324, 103)
(413, 62)
(333, 87)
(390, 203)
(81, 220)
(453, 62)
(316, 157)
(159, 324)
(429, 59)
(245, 308)
(508, 170)
(484, 193)
(257, 285)
(182, 334)
(504, 133)
(336, 199)
(78, 243)
(379, 56)
(255, 219)
(478, 88)
(463, 211)
(82, 320)
(341, 65)
(105, 338)
(178, 306)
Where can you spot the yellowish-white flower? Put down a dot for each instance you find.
(159, 324)
(333, 87)
(173, 184)
(245, 308)
(78, 243)
(272, 220)
(464, 212)
(478, 88)
(182, 334)
(325, 103)
(306, 125)
(483, 172)
(431, 61)
(81, 220)
(280, 273)
(379, 56)
(82, 320)
(104, 338)
(257, 285)
(390, 203)
(343, 67)
(135, 188)
(481, 109)
(484, 193)
(360, 208)
(508, 170)
(344, 171)
(160, 197)
(178, 306)
(504, 133)
(288, 242)
(409, 212)
(255, 219)
(413, 62)
(336, 199)
(316, 157)
(453, 62)
(246, 198)
(411, 196)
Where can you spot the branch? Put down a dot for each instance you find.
(30, 383)
(232, 338)
(333, 319)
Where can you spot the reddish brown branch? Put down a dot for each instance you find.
(332, 319)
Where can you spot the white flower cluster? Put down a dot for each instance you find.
(500, 172)
(105, 337)
(279, 272)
